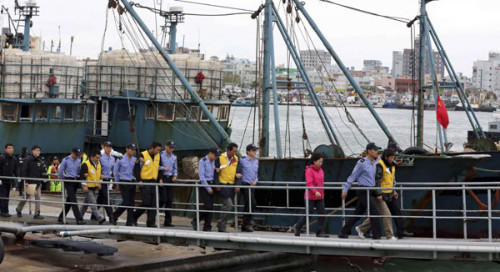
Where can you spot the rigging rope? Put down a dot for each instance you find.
(394, 18)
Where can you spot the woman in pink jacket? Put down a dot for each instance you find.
(314, 178)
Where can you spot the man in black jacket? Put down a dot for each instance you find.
(32, 168)
(9, 166)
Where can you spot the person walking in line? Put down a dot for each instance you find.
(108, 162)
(70, 170)
(124, 172)
(364, 174)
(227, 172)
(149, 170)
(385, 177)
(315, 177)
(91, 171)
(168, 167)
(9, 167)
(206, 171)
(32, 168)
(249, 172)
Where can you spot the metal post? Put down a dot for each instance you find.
(307, 212)
(236, 211)
(27, 26)
(452, 70)
(434, 234)
(268, 53)
(434, 79)
(63, 206)
(341, 65)
(343, 212)
(176, 70)
(275, 106)
(173, 33)
(302, 71)
(198, 207)
(157, 204)
(368, 203)
(158, 238)
(109, 186)
(464, 211)
(287, 196)
(489, 217)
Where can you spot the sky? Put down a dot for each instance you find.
(469, 29)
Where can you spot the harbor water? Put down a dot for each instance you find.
(398, 121)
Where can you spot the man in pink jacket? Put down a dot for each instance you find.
(314, 178)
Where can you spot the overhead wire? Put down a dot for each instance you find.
(394, 18)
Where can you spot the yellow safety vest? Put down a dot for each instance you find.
(151, 167)
(94, 174)
(388, 177)
(227, 172)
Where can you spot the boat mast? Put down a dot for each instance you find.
(421, 76)
(27, 11)
(427, 32)
(177, 72)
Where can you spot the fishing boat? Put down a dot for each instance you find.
(147, 94)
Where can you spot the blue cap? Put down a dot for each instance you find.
(372, 146)
(215, 151)
(131, 146)
(170, 143)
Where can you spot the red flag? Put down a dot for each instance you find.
(442, 113)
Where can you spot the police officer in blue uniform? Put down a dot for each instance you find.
(107, 166)
(168, 167)
(124, 172)
(364, 173)
(70, 169)
(207, 193)
(249, 171)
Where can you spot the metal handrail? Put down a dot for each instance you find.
(184, 183)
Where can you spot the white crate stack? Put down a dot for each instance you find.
(26, 73)
(142, 72)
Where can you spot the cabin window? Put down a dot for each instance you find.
(42, 113)
(9, 112)
(26, 112)
(224, 113)
(215, 112)
(80, 113)
(56, 113)
(493, 126)
(150, 111)
(204, 117)
(181, 112)
(68, 113)
(165, 112)
(194, 113)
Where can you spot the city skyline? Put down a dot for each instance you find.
(467, 36)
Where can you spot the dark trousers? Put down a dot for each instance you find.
(320, 209)
(71, 188)
(166, 198)
(148, 195)
(102, 200)
(128, 196)
(4, 196)
(249, 194)
(208, 207)
(393, 206)
(361, 208)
